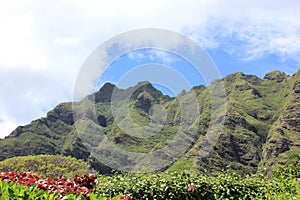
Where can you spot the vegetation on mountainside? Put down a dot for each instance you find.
(260, 126)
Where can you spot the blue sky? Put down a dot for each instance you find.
(43, 44)
(119, 69)
(225, 63)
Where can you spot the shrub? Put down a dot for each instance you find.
(289, 171)
(197, 186)
(46, 165)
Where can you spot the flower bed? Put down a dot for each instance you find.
(58, 188)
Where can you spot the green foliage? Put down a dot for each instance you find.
(180, 165)
(171, 186)
(13, 191)
(161, 186)
(176, 186)
(46, 165)
(289, 171)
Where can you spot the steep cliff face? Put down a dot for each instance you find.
(283, 142)
(261, 126)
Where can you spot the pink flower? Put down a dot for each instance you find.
(191, 187)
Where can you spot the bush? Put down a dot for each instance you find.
(46, 165)
(289, 171)
(197, 186)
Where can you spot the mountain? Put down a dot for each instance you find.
(250, 126)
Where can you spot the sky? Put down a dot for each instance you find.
(43, 44)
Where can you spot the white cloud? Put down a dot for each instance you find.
(166, 57)
(16, 38)
(153, 55)
(44, 43)
(137, 55)
(67, 41)
(7, 126)
(253, 28)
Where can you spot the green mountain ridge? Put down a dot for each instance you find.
(260, 128)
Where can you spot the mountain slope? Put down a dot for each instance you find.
(261, 125)
(254, 105)
(283, 143)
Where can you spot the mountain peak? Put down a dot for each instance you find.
(144, 83)
(277, 76)
(107, 86)
(146, 87)
(233, 77)
(105, 92)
